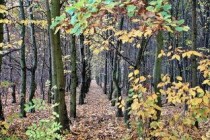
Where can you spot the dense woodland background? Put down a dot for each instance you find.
(104, 69)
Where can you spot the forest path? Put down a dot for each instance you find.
(96, 118)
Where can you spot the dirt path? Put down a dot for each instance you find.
(96, 118)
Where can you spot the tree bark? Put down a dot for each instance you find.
(105, 73)
(194, 41)
(157, 69)
(1, 41)
(73, 77)
(22, 63)
(34, 51)
(83, 72)
(58, 71)
(49, 95)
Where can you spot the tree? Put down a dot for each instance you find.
(157, 69)
(58, 71)
(73, 77)
(1, 41)
(23, 63)
(34, 48)
(83, 71)
(194, 42)
(49, 96)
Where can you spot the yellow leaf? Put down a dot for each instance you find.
(179, 78)
(148, 32)
(123, 103)
(196, 101)
(136, 72)
(162, 91)
(91, 31)
(96, 51)
(135, 96)
(168, 28)
(192, 92)
(177, 57)
(120, 98)
(130, 75)
(197, 53)
(202, 67)
(124, 38)
(206, 82)
(20, 42)
(138, 46)
(135, 106)
(142, 79)
(154, 96)
(200, 90)
(206, 100)
(136, 80)
(3, 9)
(169, 54)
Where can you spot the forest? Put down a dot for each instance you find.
(104, 70)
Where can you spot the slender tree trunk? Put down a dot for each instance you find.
(207, 31)
(194, 47)
(114, 73)
(13, 86)
(83, 73)
(105, 73)
(22, 63)
(194, 41)
(110, 75)
(1, 41)
(73, 77)
(157, 68)
(58, 71)
(119, 112)
(117, 73)
(49, 96)
(13, 93)
(34, 48)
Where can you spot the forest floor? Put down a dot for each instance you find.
(95, 119)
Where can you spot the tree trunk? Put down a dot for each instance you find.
(111, 76)
(194, 41)
(105, 73)
(73, 77)
(1, 41)
(157, 69)
(13, 93)
(137, 66)
(34, 52)
(194, 47)
(49, 95)
(58, 71)
(83, 73)
(117, 73)
(22, 63)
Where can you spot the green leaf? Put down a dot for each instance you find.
(167, 7)
(179, 29)
(180, 22)
(131, 10)
(108, 1)
(150, 8)
(186, 28)
(74, 19)
(153, 3)
(71, 10)
(76, 28)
